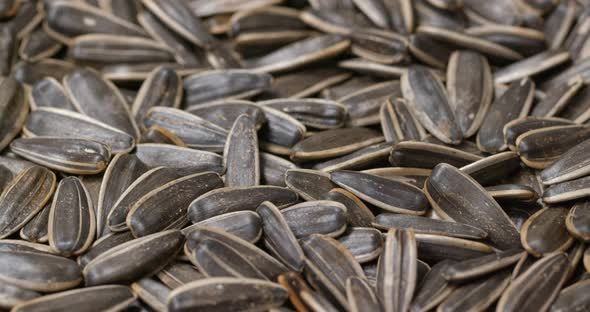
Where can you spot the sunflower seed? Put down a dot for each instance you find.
(577, 221)
(38, 45)
(185, 160)
(216, 259)
(569, 190)
(114, 49)
(428, 155)
(11, 295)
(414, 176)
(178, 274)
(365, 244)
(316, 113)
(246, 225)
(309, 184)
(357, 213)
(433, 289)
(48, 92)
(364, 104)
(570, 165)
(548, 220)
(558, 22)
(520, 126)
(367, 156)
(385, 221)
(150, 254)
(30, 73)
(23, 246)
(557, 98)
(13, 108)
(531, 66)
(240, 155)
(572, 298)
(273, 169)
(479, 294)
(151, 292)
(8, 43)
(102, 245)
(316, 217)
(157, 134)
(380, 46)
(493, 168)
(474, 268)
(36, 230)
(435, 248)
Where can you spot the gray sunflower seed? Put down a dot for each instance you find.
(185, 160)
(435, 248)
(520, 126)
(430, 51)
(577, 221)
(375, 11)
(265, 19)
(151, 292)
(507, 192)
(301, 295)
(396, 270)
(165, 207)
(536, 147)
(316, 217)
(30, 73)
(13, 110)
(72, 224)
(569, 190)
(545, 232)
(365, 103)
(333, 143)
(365, 244)
(38, 45)
(149, 255)
(5, 177)
(469, 85)
(163, 87)
(398, 123)
(48, 92)
(570, 165)
(55, 122)
(136, 73)
(316, 113)
(538, 286)
(121, 172)
(414, 176)
(348, 87)
(109, 297)
(11, 295)
(240, 155)
(23, 246)
(28, 16)
(157, 134)
(379, 46)
(433, 289)
(361, 296)
(576, 39)
(572, 298)
(104, 244)
(268, 265)
(279, 238)
(146, 182)
(401, 15)
(225, 113)
(512, 104)
(273, 169)
(384, 193)
(557, 98)
(231, 199)
(363, 66)
(357, 213)
(479, 294)
(13, 165)
(531, 66)
(503, 12)
(428, 155)
(36, 230)
(558, 23)
(24, 197)
(113, 49)
(493, 168)
(216, 259)
(211, 293)
(178, 274)
(75, 156)
(246, 225)
(127, 11)
(449, 190)
(300, 53)
(8, 42)
(386, 221)
(217, 85)
(309, 184)
(364, 157)
(38, 271)
(66, 20)
(474, 268)
(177, 16)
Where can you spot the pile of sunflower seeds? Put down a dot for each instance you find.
(294, 155)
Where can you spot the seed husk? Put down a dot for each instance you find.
(48, 92)
(114, 49)
(13, 108)
(493, 168)
(11, 295)
(225, 113)
(512, 104)
(364, 103)
(165, 207)
(371, 68)
(557, 98)
(151, 292)
(414, 176)
(386, 221)
(364, 157)
(512, 192)
(361, 295)
(246, 225)
(184, 160)
(545, 232)
(38, 45)
(473, 269)
(435, 248)
(384, 193)
(149, 255)
(357, 213)
(428, 155)
(74, 156)
(449, 190)
(316, 217)
(316, 113)
(531, 66)
(178, 274)
(433, 289)
(38, 271)
(241, 155)
(396, 270)
(273, 169)
(103, 244)
(469, 86)
(157, 134)
(572, 297)
(536, 290)
(279, 238)
(255, 295)
(23, 246)
(36, 230)
(364, 243)
(577, 221)
(380, 46)
(479, 294)
(230, 199)
(309, 184)
(520, 126)
(569, 190)
(30, 73)
(570, 165)
(398, 123)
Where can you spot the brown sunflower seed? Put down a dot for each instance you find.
(72, 224)
(449, 190)
(13, 108)
(401, 15)
(474, 268)
(428, 155)
(357, 213)
(163, 87)
(38, 271)
(55, 122)
(178, 274)
(74, 156)
(211, 293)
(430, 51)
(433, 289)
(240, 155)
(38, 45)
(538, 286)
(569, 190)
(364, 243)
(151, 292)
(520, 126)
(279, 238)
(149, 255)
(246, 225)
(493, 168)
(384, 193)
(146, 182)
(316, 217)
(512, 104)
(103, 244)
(469, 86)
(348, 87)
(577, 221)
(30, 73)
(479, 294)
(48, 92)
(307, 82)
(165, 207)
(36, 230)
(386, 221)
(185, 160)
(24, 197)
(231, 199)
(396, 270)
